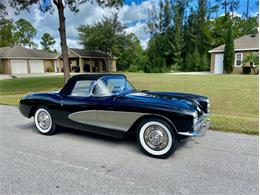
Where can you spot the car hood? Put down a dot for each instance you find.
(166, 100)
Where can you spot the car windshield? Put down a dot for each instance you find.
(112, 85)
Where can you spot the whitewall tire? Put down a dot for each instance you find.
(43, 121)
(156, 138)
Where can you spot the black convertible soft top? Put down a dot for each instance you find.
(93, 76)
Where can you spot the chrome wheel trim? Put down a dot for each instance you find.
(164, 144)
(43, 120)
(155, 137)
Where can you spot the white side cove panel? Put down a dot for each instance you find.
(219, 63)
(19, 66)
(36, 66)
(117, 119)
(107, 119)
(88, 117)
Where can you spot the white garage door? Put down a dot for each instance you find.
(19, 66)
(218, 63)
(36, 66)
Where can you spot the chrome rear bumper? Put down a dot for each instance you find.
(199, 129)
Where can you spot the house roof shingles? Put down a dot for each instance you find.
(24, 53)
(244, 43)
(88, 53)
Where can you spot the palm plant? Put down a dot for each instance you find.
(253, 60)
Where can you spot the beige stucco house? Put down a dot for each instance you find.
(88, 61)
(243, 46)
(20, 60)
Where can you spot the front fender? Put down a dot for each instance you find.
(25, 108)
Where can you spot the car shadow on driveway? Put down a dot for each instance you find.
(129, 141)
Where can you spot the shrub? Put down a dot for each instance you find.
(133, 68)
(49, 69)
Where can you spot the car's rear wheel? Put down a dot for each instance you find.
(156, 138)
(43, 121)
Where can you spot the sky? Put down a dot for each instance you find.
(133, 14)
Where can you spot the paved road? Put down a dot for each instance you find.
(72, 162)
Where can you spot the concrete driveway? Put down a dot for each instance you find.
(7, 76)
(74, 162)
(190, 73)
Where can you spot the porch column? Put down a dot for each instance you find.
(100, 65)
(59, 64)
(113, 66)
(28, 66)
(55, 64)
(90, 65)
(81, 63)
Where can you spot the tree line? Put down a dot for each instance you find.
(182, 32)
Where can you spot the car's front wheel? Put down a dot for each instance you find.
(156, 138)
(43, 121)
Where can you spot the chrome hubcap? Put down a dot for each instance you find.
(43, 119)
(155, 137)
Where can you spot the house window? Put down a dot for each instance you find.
(238, 59)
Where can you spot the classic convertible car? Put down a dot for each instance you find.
(108, 104)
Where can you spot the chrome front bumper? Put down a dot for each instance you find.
(199, 129)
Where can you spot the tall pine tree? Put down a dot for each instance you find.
(178, 16)
(229, 54)
(203, 34)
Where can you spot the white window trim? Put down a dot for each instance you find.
(236, 59)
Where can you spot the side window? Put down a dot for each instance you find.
(111, 85)
(82, 88)
(102, 89)
(116, 85)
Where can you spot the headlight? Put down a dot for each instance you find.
(195, 118)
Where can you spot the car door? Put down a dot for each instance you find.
(78, 106)
(111, 112)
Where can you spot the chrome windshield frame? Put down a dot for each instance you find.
(96, 82)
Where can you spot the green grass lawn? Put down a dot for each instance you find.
(234, 98)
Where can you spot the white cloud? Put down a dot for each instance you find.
(74, 43)
(253, 14)
(139, 30)
(133, 13)
(38, 17)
